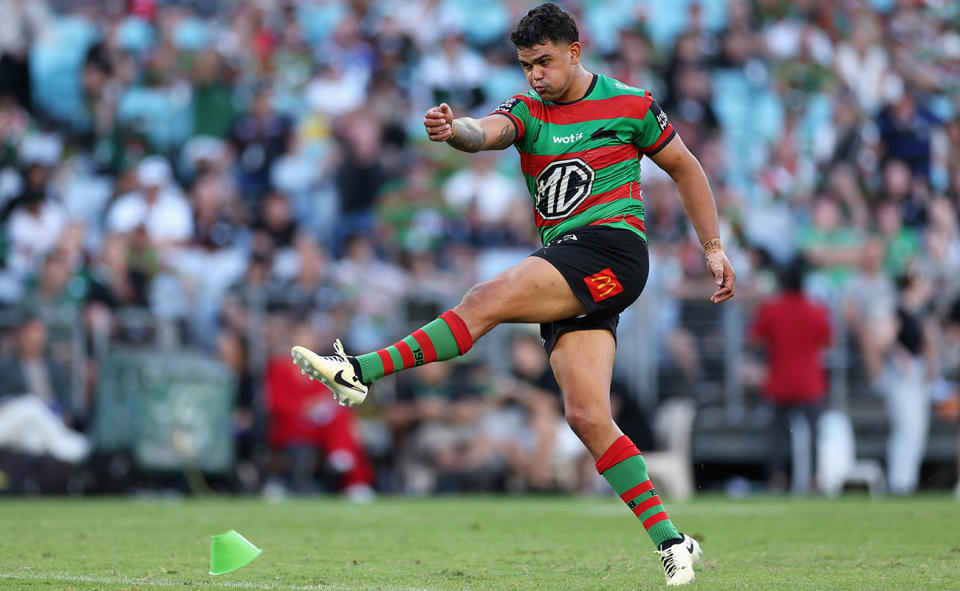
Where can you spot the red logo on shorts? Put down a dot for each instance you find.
(603, 285)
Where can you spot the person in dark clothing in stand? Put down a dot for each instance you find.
(906, 129)
(259, 138)
(359, 178)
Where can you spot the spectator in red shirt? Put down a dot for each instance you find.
(303, 419)
(794, 331)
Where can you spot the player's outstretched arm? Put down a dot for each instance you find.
(701, 208)
(494, 132)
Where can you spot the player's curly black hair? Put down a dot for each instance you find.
(547, 22)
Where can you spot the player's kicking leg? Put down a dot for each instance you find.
(582, 361)
(531, 291)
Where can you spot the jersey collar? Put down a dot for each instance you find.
(593, 84)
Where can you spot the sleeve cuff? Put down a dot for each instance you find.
(660, 143)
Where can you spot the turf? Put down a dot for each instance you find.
(475, 543)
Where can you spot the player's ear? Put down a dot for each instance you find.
(574, 50)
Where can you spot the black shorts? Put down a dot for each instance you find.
(605, 267)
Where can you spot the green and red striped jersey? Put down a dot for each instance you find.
(581, 160)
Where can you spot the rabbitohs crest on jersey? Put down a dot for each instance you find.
(581, 160)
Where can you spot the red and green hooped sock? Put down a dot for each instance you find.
(625, 469)
(444, 338)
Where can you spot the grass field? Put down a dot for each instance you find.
(476, 543)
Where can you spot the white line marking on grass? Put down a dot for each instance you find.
(144, 582)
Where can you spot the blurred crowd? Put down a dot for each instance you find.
(235, 177)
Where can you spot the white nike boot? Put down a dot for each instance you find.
(678, 559)
(335, 371)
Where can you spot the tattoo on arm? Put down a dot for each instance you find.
(470, 135)
(474, 135)
(505, 137)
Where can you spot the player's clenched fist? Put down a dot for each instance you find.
(439, 123)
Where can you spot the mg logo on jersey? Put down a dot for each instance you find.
(603, 285)
(562, 186)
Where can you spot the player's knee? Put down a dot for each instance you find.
(483, 302)
(474, 296)
(585, 421)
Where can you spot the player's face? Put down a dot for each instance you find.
(549, 67)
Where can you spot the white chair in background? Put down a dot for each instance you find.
(671, 468)
(837, 463)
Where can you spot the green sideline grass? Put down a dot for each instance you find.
(478, 543)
